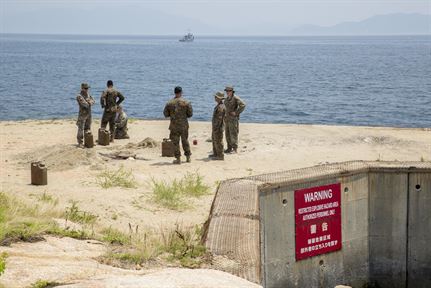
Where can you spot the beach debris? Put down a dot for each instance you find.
(146, 143)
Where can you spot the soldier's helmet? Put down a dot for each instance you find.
(228, 88)
(85, 86)
(178, 89)
(219, 95)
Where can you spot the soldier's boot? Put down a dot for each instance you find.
(177, 161)
(111, 138)
(188, 159)
(234, 151)
(228, 150)
(218, 157)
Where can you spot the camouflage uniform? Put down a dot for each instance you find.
(84, 117)
(179, 109)
(233, 104)
(109, 103)
(121, 126)
(218, 129)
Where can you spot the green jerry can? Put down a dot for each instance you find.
(103, 137)
(88, 140)
(168, 149)
(39, 174)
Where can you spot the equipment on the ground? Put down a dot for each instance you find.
(39, 173)
(168, 149)
(88, 139)
(103, 138)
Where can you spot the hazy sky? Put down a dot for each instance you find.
(169, 17)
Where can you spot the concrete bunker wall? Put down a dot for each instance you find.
(386, 221)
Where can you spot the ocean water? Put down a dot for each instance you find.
(377, 81)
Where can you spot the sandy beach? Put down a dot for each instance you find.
(73, 172)
(264, 148)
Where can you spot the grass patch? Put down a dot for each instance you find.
(114, 236)
(44, 284)
(173, 195)
(3, 257)
(20, 222)
(75, 215)
(184, 245)
(179, 246)
(47, 199)
(117, 178)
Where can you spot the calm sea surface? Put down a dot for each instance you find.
(378, 81)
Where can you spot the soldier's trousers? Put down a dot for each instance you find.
(232, 130)
(175, 137)
(109, 117)
(84, 124)
(217, 139)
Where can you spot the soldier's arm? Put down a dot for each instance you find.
(82, 102)
(241, 106)
(103, 99)
(120, 98)
(166, 111)
(189, 110)
(91, 100)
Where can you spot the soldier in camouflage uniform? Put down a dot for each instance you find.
(121, 124)
(85, 101)
(109, 100)
(218, 127)
(179, 110)
(234, 107)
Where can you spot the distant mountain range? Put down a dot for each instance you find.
(390, 24)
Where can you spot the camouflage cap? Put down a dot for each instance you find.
(219, 95)
(228, 88)
(85, 86)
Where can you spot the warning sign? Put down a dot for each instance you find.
(317, 220)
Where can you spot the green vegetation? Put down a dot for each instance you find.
(184, 246)
(75, 215)
(20, 222)
(178, 246)
(118, 178)
(3, 257)
(44, 284)
(48, 199)
(173, 195)
(114, 236)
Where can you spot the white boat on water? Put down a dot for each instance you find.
(189, 37)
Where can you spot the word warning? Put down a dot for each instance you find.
(317, 220)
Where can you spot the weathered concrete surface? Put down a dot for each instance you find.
(350, 265)
(388, 229)
(419, 244)
(385, 226)
(171, 278)
(70, 261)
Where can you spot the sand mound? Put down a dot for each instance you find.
(146, 143)
(60, 157)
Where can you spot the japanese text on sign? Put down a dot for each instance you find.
(317, 220)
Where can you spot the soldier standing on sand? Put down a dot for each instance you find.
(179, 110)
(218, 127)
(234, 107)
(84, 117)
(109, 103)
